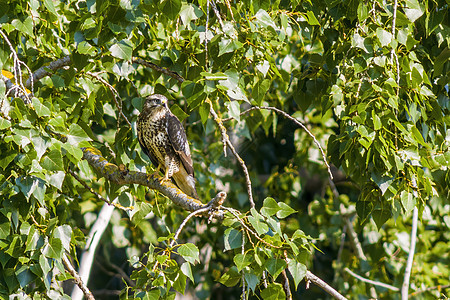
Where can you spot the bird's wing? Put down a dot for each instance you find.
(147, 151)
(178, 139)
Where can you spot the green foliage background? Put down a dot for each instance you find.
(374, 97)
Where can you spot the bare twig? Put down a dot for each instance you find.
(243, 275)
(197, 212)
(286, 115)
(412, 247)
(94, 237)
(286, 287)
(20, 89)
(393, 54)
(431, 288)
(79, 282)
(116, 205)
(151, 65)
(310, 277)
(377, 283)
(216, 12)
(226, 142)
(115, 95)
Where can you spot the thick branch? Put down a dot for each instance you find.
(121, 177)
(48, 70)
(412, 247)
(87, 258)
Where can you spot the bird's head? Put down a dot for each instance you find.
(154, 101)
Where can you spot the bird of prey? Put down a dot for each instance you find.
(162, 137)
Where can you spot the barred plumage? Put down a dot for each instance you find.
(162, 137)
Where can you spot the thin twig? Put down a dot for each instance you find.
(19, 88)
(87, 293)
(232, 211)
(90, 189)
(216, 12)
(393, 54)
(286, 115)
(437, 287)
(151, 65)
(310, 277)
(115, 95)
(243, 274)
(198, 211)
(377, 283)
(206, 34)
(226, 142)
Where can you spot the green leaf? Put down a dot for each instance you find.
(252, 280)
(189, 12)
(171, 8)
(50, 6)
(384, 37)
(232, 239)
(214, 76)
(231, 277)
(4, 124)
(270, 207)
(312, 20)
(26, 27)
(41, 110)
(242, 260)
(264, 19)
(258, 223)
(53, 249)
(53, 161)
(285, 210)
(204, 111)
(24, 276)
(122, 49)
(275, 266)
(274, 291)
(380, 216)
(297, 270)
(189, 252)
(186, 269)
(414, 11)
(178, 112)
(232, 87)
(228, 45)
(234, 110)
(64, 233)
(85, 48)
(77, 135)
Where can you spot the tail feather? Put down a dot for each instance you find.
(185, 182)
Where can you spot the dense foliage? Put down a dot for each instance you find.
(369, 79)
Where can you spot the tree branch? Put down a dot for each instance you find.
(310, 277)
(48, 70)
(87, 293)
(412, 247)
(286, 115)
(226, 142)
(387, 286)
(87, 258)
(151, 65)
(121, 177)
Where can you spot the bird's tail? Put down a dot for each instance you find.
(185, 182)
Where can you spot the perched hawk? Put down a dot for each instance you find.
(163, 139)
